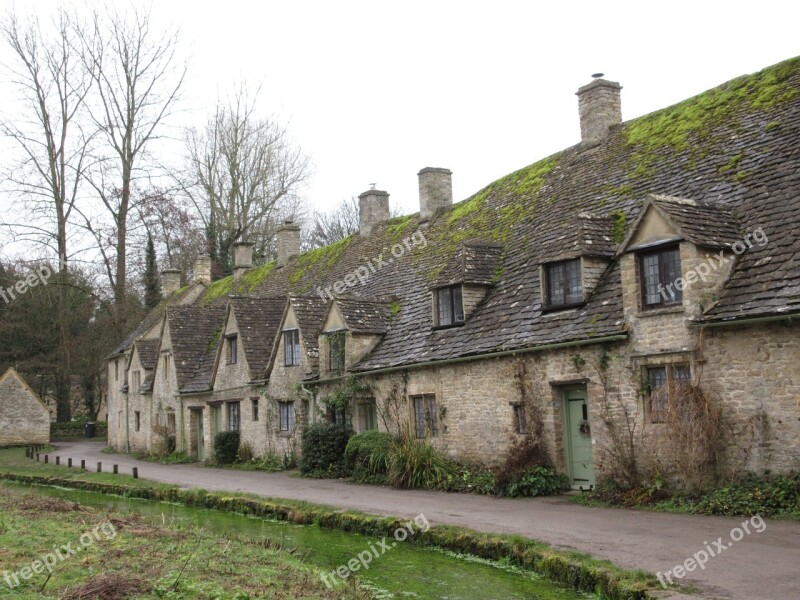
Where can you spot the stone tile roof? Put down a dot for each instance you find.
(148, 353)
(310, 310)
(587, 234)
(365, 316)
(193, 331)
(475, 263)
(259, 320)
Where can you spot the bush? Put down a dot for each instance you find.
(523, 454)
(536, 481)
(366, 456)
(245, 453)
(226, 447)
(416, 464)
(470, 480)
(767, 496)
(323, 450)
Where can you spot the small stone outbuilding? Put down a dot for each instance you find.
(24, 418)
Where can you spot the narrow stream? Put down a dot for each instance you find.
(404, 571)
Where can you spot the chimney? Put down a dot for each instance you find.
(202, 269)
(170, 282)
(288, 242)
(435, 191)
(600, 107)
(373, 209)
(242, 259)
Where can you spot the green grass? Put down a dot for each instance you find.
(137, 558)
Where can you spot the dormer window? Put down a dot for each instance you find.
(563, 284)
(336, 358)
(449, 306)
(660, 271)
(291, 348)
(233, 349)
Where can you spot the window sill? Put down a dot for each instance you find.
(451, 326)
(666, 310)
(284, 434)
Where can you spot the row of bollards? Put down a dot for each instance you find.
(32, 452)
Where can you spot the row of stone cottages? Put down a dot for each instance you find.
(568, 299)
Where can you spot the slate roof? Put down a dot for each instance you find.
(258, 320)
(475, 263)
(148, 353)
(364, 316)
(193, 332)
(733, 149)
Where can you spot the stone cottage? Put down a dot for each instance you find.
(24, 418)
(599, 295)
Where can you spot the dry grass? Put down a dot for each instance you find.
(108, 587)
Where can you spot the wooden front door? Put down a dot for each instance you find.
(578, 438)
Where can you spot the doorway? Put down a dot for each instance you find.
(578, 438)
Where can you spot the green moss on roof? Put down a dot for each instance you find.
(398, 227)
(673, 126)
(255, 277)
(321, 260)
(218, 289)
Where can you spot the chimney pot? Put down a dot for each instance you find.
(242, 259)
(373, 209)
(202, 269)
(288, 242)
(170, 282)
(435, 191)
(600, 107)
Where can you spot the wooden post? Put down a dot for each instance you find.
(58, 460)
(46, 458)
(116, 469)
(27, 452)
(69, 463)
(37, 457)
(136, 472)
(99, 467)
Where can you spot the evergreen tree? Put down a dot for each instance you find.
(152, 283)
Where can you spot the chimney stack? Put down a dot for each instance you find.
(288, 242)
(242, 259)
(600, 107)
(170, 282)
(373, 209)
(202, 269)
(435, 191)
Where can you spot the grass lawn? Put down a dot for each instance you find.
(129, 557)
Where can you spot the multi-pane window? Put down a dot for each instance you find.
(233, 348)
(336, 344)
(660, 271)
(291, 347)
(286, 414)
(171, 425)
(662, 383)
(426, 422)
(449, 306)
(254, 407)
(519, 418)
(234, 416)
(368, 415)
(137, 420)
(342, 417)
(564, 284)
(216, 420)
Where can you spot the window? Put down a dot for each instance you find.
(135, 382)
(449, 306)
(519, 419)
(662, 383)
(341, 417)
(166, 366)
(425, 420)
(233, 349)
(286, 412)
(291, 348)
(216, 420)
(563, 283)
(660, 271)
(234, 419)
(116, 370)
(171, 426)
(254, 406)
(137, 420)
(336, 362)
(368, 415)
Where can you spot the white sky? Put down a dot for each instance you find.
(375, 91)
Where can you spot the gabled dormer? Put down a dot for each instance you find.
(574, 260)
(464, 282)
(351, 328)
(677, 255)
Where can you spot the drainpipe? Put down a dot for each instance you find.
(753, 321)
(127, 427)
(182, 446)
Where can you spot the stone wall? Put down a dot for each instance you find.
(24, 419)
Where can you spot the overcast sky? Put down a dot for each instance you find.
(373, 92)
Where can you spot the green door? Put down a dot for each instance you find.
(578, 438)
(216, 420)
(201, 438)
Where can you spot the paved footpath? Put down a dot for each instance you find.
(762, 565)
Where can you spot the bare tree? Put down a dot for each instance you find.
(53, 84)
(336, 224)
(136, 79)
(243, 175)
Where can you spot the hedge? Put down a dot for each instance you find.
(74, 430)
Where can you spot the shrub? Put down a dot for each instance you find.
(768, 495)
(245, 453)
(323, 450)
(470, 480)
(367, 454)
(523, 454)
(416, 464)
(226, 447)
(536, 481)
